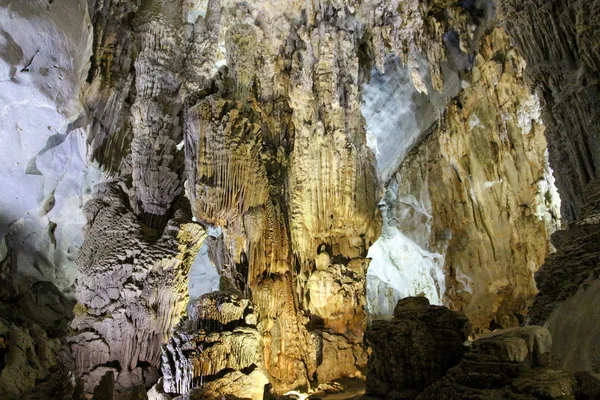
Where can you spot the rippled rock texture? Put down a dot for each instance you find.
(132, 289)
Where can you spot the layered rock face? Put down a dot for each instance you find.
(139, 241)
(511, 364)
(420, 355)
(473, 204)
(218, 343)
(558, 41)
(131, 291)
(568, 284)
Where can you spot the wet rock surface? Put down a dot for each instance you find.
(414, 349)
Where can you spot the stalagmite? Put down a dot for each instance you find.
(224, 199)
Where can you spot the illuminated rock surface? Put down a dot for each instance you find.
(314, 162)
(564, 71)
(468, 214)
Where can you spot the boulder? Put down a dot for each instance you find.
(414, 349)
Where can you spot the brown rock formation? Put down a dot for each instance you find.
(476, 192)
(568, 284)
(487, 175)
(220, 335)
(27, 354)
(511, 364)
(280, 162)
(414, 349)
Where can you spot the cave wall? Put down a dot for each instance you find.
(559, 41)
(259, 108)
(45, 178)
(469, 212)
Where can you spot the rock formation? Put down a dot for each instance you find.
(568, 284)
(131, 291)
(511, 364)
(559, 43)
(217, 348)
(277, 158)
(27, 355)
(420, 355)
(414, 349)
(473, 204)
(134, 129)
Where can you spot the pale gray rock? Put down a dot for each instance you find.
(131, 289)
(218, 336)
(157, 392)
(155, 120)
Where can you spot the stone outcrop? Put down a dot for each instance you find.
(216, 351)
(132, 289)
(568, 284)
(559, 42)
(473, 204)
(156, 126)
(31, 326)
(26, 354)
(233, 385)
(414, 349)
(511, 364)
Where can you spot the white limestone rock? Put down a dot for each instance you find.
(44, 56)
